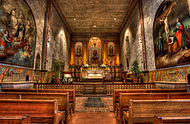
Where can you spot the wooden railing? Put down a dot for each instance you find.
(81, 89)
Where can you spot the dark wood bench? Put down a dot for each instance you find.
(62, 98)
(118, 91)
(15, 119)
(126, 97)
(169, 120)
(71, 92)
(143, 111)
(40, 111)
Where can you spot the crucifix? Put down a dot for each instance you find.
(163, 18)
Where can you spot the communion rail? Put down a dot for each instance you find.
(82, 89)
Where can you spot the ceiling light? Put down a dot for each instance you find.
(74, 19)
(94, 26)
(115, 18)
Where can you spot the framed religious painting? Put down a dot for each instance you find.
(171, 34)
(17, 33)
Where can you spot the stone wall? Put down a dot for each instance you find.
(150, 8)
(58, 45)
(131, 49)
(38, 8)
(59, 41)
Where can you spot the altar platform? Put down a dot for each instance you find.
(93, 73)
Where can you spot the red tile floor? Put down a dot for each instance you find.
(93, 118)
(94, 115)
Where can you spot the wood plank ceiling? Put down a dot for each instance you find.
(94, 16)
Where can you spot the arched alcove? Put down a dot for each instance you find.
(171, 36)
(37, 66)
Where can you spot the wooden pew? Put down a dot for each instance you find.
(62, 98)
(118, 91)
(143, 111)
(15, 119)
(169, 120)
(40, 111)
(71, 92)
(126, 97)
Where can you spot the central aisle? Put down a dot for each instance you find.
(93, 118)
(94, 110)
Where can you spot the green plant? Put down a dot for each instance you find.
(57, 69)
(135, 68)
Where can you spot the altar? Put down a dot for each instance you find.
(93, 73)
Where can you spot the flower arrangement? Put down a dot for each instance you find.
(103, 66)
(85, 66)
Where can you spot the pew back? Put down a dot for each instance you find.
(15, 119)
(118, 91)
(62, 98)
(144, 110)
(71, 92)
(169, 120)
(39, 110)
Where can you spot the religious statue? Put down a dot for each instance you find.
(78, 52)
(111, 51)
(95, 52)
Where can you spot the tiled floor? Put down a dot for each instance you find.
(94, 115)
(80, 105)
(93, 118)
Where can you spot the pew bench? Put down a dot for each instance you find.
(169, 120)
(126, 97)
(118, 91)
(62, 99)
(40, 111)
(143, 111)
(71, 92)
(15, 119)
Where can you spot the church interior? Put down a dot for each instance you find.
(94, 61)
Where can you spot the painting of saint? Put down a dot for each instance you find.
(180, 34)
(171, 34)
(17, 33)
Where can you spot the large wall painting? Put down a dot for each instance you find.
(17, 33)
(172, 33)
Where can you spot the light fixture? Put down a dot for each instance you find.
(115, 19)
(94, 26)
(74, 19)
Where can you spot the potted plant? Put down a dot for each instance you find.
(135, 70)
